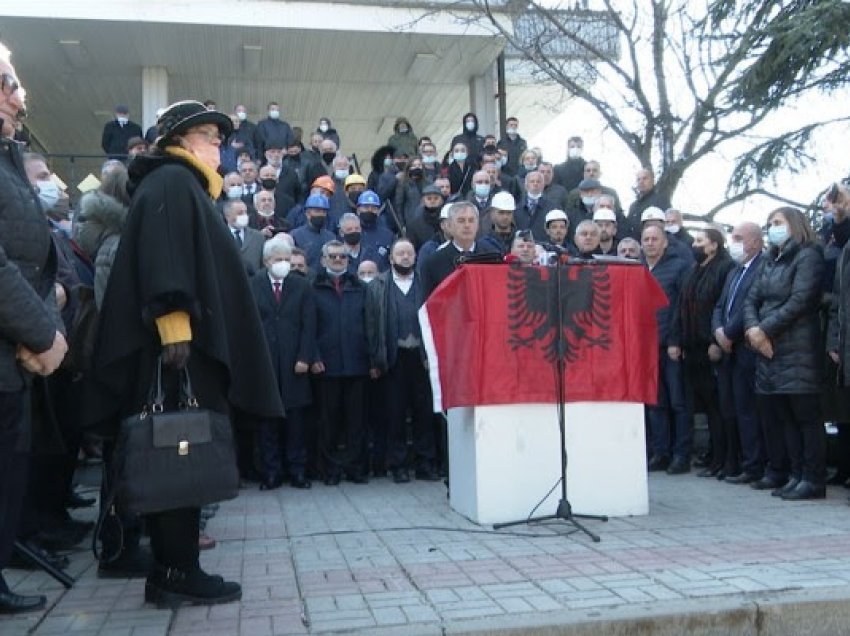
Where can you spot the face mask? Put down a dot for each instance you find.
(317, 222)
(352, 238)
(510, 131)
(404, 270)
(234, 192)
(323, 128)
(265, 213)
(368, 218)
(459, 156)
(699, 253)
(341, 174)
(334, 274)
(429, 210)
(274, 114)
(353, 196)
(327, 157)
(529, 167)
(533, 197)
(48, 193)
(403, 130)
(268, 184)
(574, 153)
(123, 120)
(503, 161)
(736, 251)
(673, 229)
(470, 126)
(241, 221)
(482, 190)
(491, 147)
(388, 162)
(281, 269)
(416, 173)
(367, 278)
(242, 116)
(589, 202)
(401, 166)
(777, 234)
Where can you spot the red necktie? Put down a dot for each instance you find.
(277, 290)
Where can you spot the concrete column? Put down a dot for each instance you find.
(482, 101)
(154, 93)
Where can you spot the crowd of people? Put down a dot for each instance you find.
(261, 258)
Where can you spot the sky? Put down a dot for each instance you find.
(704, 185)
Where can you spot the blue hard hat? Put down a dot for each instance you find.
(317, 201)
(367, 197)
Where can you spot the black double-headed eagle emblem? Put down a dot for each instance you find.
(533, 308)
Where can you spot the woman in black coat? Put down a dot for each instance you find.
(782, 324)
(288, 314)
(700, 291)
(178, 291)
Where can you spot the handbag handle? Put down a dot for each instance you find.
(186, 391)
(156, 395)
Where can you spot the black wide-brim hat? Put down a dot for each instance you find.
(181, 116)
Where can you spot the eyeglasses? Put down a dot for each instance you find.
(8, 83)
(211, 136)
(337, 257)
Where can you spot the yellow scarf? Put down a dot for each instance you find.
(214, 180)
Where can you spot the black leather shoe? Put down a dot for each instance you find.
(135, 563)
(790, 485)
(658, 462)
(428, 474)
(743, 478)
(271, 483)
(332, 480)
(16, 603)
(679, 466)
(703, 460)
(400, 476)
(805, 490)
(75, 500)
(767, 483)
(300, 481)
(170, 588)
(709, 471)
(838, 479)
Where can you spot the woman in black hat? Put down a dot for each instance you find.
(178, 290)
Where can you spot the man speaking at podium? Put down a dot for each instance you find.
(463, 221)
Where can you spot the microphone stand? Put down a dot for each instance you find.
(565, 510)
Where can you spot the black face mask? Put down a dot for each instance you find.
(352, 238)
(404, 270)
(368, 218)
(416, 173)
(268, 184)
(430, 210)
(401, 166)
(353, 196)
(317, 222)
(699, 253)
(327, 157)
(490, 148)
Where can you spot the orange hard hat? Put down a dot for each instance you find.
(325, 182)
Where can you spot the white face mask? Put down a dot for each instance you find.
(736, 251)
(234, 192)
(340, 174)
(367, 278)
(241, 221)
(323, 128)
(510, 131)
(429, 159)
(470, 126)
(266, 213)
(242, 115)
(673, 229)
(280, 269)
(274, 114)
(48, 193)
(123, 120)
(459, 156)
(574, 153)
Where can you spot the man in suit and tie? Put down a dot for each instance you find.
(530, 213)
(250, 184)
(737, 371)
(248, 241)
(463, 223)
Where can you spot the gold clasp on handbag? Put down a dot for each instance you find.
(183, 447)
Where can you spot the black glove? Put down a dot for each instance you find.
(175, 355)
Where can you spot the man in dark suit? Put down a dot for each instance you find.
(737, 372)
(463, 221)
(532, 207)
(118, 132)
(248, 240)
(288, 313)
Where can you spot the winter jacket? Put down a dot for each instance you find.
(100, 234)
(407, 142)
(341, 326)
(115, 137)
(670, 272)
(515, 148)
(423, 226)
(784, 302)
(28, 263)
(701, 289)
(472, 140)
(272, 131)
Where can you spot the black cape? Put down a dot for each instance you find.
(176, 254)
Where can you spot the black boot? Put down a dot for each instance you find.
(170, 587)
(135, 562)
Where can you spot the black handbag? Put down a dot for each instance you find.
(183, 458)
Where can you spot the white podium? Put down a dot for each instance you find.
(504, 459)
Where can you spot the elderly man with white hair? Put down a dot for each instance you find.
(288, 314)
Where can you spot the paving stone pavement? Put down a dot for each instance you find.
(395, 559)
